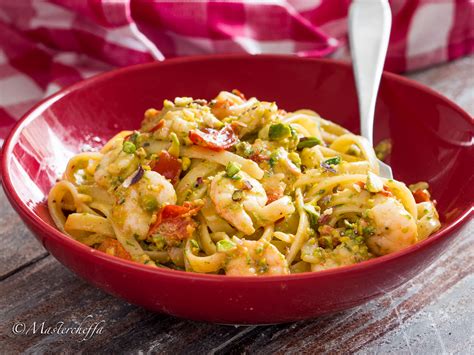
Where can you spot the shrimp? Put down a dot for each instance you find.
(234, 199)
(395, 228)
(251, 114)
(180, 118)
(428, 220)
(136, 204)
(223, 103)
(254, 258)
(255, 114)
(115, 165)
(348, 252)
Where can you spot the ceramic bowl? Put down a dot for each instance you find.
(432, 141)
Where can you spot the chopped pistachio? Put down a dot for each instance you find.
(168, 104)
(383, 149)
(183, 101)
(237, 195)
(333, 161)
(244, 149)
(348, 224)
(185, 163)
(174, 148)
(295, 158)
(150, 113)
(159, 241)
(141, 153)
(279, 131)
(225, 245)
(232, 169)
(308, 142)
(374, 183)
(149, 203)
(327, 242)
(133, 137)
(418, 186)
(129, 147)
(313, 215)
(369, 230)
(194, 244)
(275, 157)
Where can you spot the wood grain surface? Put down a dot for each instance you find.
(431, 314)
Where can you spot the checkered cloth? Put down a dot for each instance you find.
(45, 45)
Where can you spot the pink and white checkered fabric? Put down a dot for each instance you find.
(47, 44)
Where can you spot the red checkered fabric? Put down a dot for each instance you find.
(45, 45)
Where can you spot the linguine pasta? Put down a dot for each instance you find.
(236, 186)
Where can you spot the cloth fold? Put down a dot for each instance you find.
(45, 45)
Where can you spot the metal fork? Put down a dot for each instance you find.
(369, 32)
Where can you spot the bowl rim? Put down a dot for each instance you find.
(51, 232)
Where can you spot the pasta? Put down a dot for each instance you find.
(236, 186)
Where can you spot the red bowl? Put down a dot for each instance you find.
(432, 141)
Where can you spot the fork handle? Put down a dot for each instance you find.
(369, 32)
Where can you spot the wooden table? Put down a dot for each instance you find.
(433, 313)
